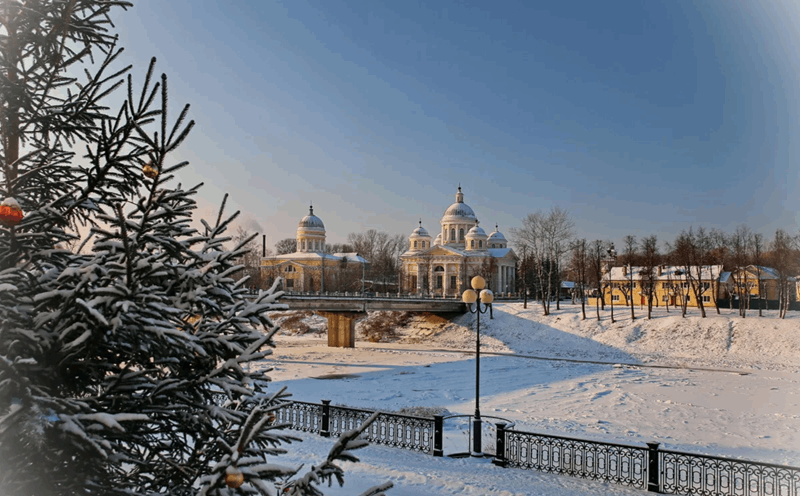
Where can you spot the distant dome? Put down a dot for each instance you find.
(459, 211)
(496, 235)
(476, 232)
(420, 232)
(438, 239)
(311, 221)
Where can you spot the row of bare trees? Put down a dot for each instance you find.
(543, 241)
(697, 255)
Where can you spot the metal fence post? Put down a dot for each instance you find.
(325, 428)
(653, 474)
(438, 428)
(500, 455)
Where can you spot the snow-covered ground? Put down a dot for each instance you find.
(722, 385)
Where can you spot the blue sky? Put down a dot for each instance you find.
(638, 117)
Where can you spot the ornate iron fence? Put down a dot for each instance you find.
(688, 473)
(302, 416)
(664, 471)
(391, 429)
(617, 463)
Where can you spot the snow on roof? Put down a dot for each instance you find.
(312, 255)
(352, 257)
(668, 272)
(501, 252)
(766, 272)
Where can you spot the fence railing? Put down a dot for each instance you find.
(658, 470)
(651, 468)
(391, 429)
(688, 473)
(617, 463)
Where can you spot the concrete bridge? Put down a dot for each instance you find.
(342, 312)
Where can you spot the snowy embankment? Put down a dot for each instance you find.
(749, 409)
(725, 340)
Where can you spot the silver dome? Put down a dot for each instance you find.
(476, 231)
(420, 232)
(496, 235)
(311, 220)
(460, 210)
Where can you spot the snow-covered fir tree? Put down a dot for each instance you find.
(124, 339)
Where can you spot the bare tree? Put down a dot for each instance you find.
(719, 254)
(579, 269)
(251, 260)
(383, 252)
(531, 239)
(558, 231)
(758, 261)
(595, 273)
(686, 254)
(487, 270)
(286, 246)
(741, 246)
(339, 248)
(785, 262)
(629, 257)
(650, 271)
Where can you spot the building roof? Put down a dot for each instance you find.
(352, 257)
(315, 255)
(668, 272)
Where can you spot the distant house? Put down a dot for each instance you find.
(755, 280)
(568, 288)
(670, 285)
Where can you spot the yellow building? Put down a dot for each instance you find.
(757, 281)
(309, 268)
(670, 285)
(460, 251)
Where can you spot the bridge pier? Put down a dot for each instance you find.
(342, 328)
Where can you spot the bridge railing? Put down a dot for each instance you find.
(390, 295)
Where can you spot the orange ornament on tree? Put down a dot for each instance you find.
(234, 479)
(149, 170)
(10, 212)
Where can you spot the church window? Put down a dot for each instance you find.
(289, 283)
(290, 268)
(452, 234)
(438, 282)
(480, 243)
(453, 282)
(304, 245)
(415, 244)
(461, 234)
(492, 245)
(472, 243)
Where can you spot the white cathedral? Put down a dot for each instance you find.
(459, 252)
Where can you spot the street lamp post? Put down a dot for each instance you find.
(477, 295)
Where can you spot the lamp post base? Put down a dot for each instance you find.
(477, 449)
